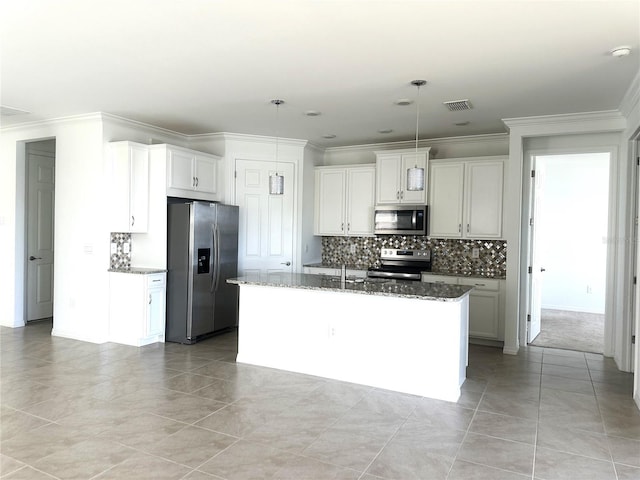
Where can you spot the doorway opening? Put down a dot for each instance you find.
(39, 229)
(568, 250)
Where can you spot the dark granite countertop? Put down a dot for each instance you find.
(371, 286)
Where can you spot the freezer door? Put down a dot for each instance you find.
(225, 266)
(203, 219)
(179, 272)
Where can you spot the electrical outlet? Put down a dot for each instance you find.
(352, 248)
(589, 289)
(475, 252)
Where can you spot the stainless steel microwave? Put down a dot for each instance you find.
(400, 220)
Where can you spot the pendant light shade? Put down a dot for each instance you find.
(276, 181)
(415, 174)
(415, 179)
(276, 184)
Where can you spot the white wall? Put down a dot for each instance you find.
(81, 240)
(571, 219)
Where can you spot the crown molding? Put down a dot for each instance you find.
(631, 99)
(432, 142)
(127, 122)
(613, 119)
(54, 121)
(245, 137)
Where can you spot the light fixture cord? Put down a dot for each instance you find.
(277, 132)
(417, 123)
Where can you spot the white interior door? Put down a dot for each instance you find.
(535, 277)
(265, 233)
(40, 208)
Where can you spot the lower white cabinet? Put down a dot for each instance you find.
(137, 308)
(486, 304)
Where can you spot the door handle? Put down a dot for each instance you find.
(288, 264)
(133, 220)
(32, 258)
(543, 269)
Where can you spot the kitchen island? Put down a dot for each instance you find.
(408, 337)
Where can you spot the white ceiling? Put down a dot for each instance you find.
(202, 66)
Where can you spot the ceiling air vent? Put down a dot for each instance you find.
(458, 105)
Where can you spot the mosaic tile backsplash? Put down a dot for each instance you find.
(120, 251)
(449, 256)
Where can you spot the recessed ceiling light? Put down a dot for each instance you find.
(328, 135)
(385, 130)
(403, 102)
(621, 51)
(312, 113)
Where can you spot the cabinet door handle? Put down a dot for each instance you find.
(197, 181)
(467, 228)
(459, 228)
(398, 195)
(348, 227)
(32, 258)
(401, 194)
(194, 182)
(133, 220)
(342, 226)
(479, 284)
(149, 299)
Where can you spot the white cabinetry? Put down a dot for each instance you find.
(391, 176)
(344, 200)
(486, 304)
(136, 308)
(465, 198)
(129, 187)
(191, 174)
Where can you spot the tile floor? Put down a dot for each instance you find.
(74, 410)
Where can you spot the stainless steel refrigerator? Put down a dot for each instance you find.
(202, 253)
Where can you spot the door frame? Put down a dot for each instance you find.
(609, 322)
(293, 184)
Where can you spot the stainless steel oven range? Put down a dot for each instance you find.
(402, 264)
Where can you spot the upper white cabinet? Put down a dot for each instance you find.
(129, 187)
(191, 174)
(344, 200)
(465, 198)
(391, 176)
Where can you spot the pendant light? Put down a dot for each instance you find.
(276, 182)
(415, 174)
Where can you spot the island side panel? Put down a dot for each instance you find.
(408, 345)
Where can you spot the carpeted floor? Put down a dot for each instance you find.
(571, 331)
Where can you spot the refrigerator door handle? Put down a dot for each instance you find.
(214, 260)
(217, 251)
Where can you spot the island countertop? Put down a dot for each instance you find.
(381, 287)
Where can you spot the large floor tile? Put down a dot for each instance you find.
(462, 470)
(247, 460)
(142, 467)
(569, 440)
(505, 427)
(190, 446)
(494, 452)
(554, 465)
(344, 448)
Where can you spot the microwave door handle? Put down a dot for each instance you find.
(414, 219)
